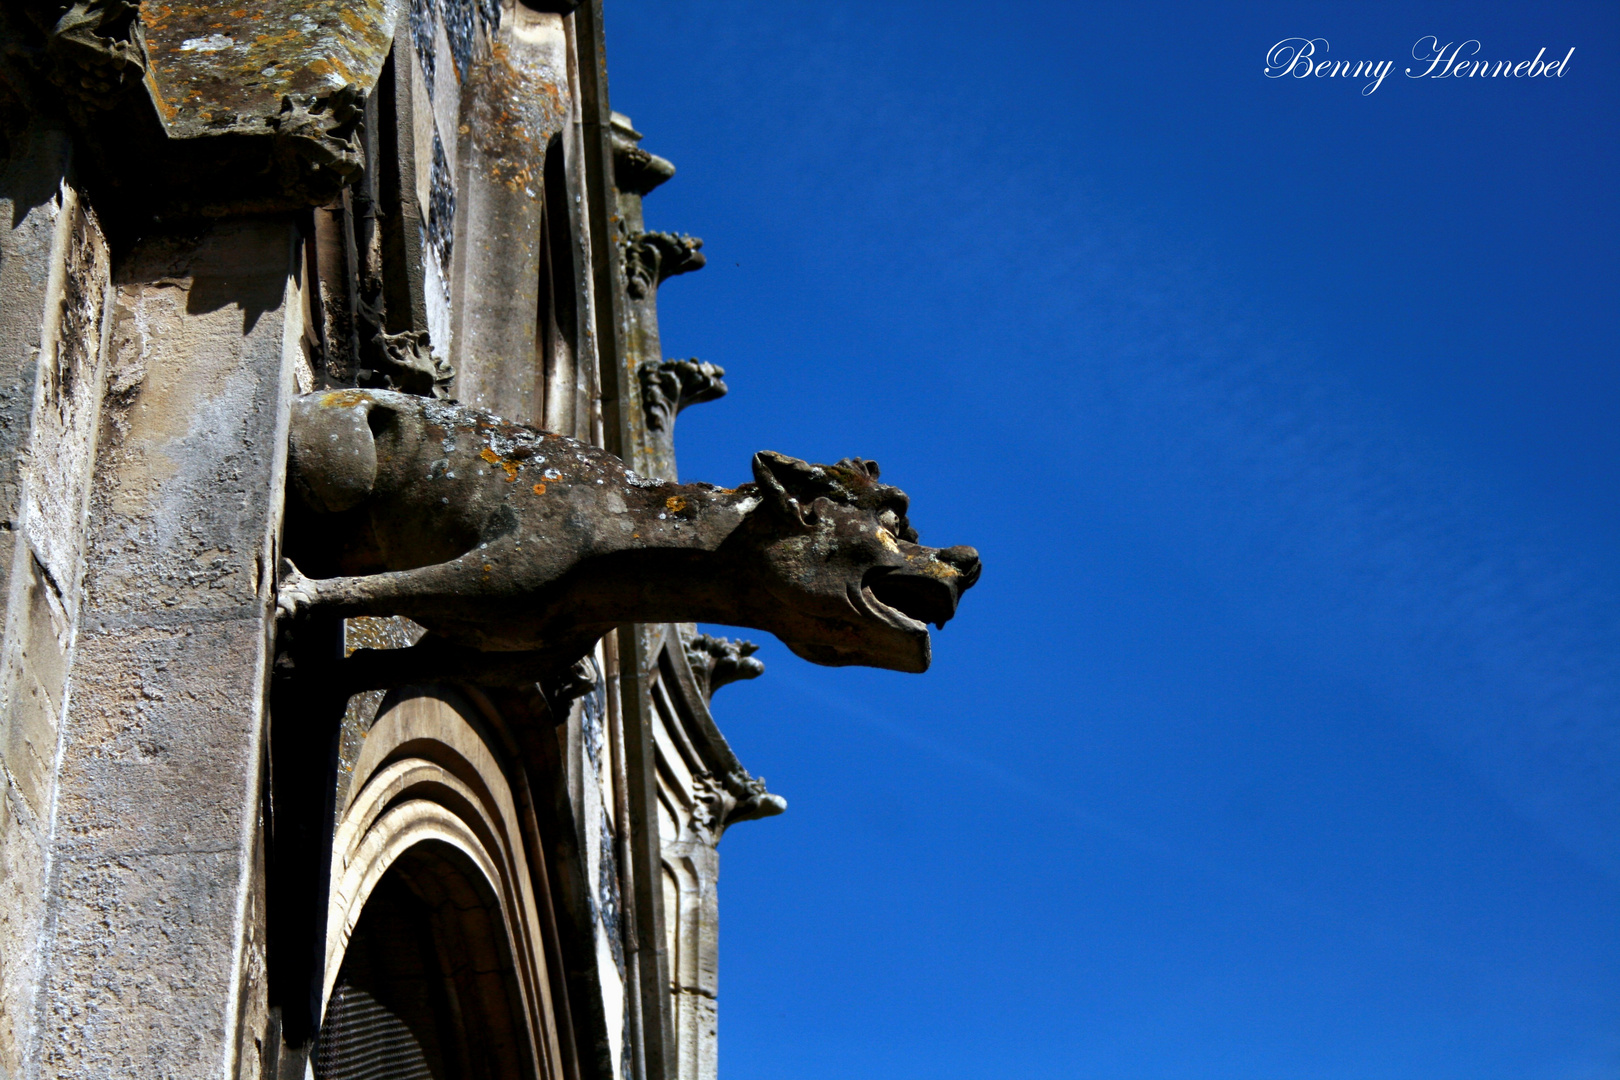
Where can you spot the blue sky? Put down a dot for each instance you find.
(1281, 738)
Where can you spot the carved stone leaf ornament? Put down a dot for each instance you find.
(635, 171)
(717, 806)
(405, 362)
(719, 661)
(316, 136)
(669, 386)
(98, 50)
(652, 258)
(639, 171)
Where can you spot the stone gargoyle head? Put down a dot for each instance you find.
(845, 581)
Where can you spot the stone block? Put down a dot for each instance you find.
(34, 706)
(163, 745)
(143, 954)
(141, 967)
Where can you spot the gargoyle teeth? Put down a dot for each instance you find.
(920, 597)
(877, 609)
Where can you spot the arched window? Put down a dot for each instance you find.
(435, 965)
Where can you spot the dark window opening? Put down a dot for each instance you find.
(426, 990)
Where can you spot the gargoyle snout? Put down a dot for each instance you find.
(966, 562)
(928, 587)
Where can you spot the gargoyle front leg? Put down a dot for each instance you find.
(295, 593)
(427, 589)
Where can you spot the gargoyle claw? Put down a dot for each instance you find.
(294, 592)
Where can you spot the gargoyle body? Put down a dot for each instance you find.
(521, 548)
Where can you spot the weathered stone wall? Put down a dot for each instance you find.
(53, 276)
(440, 177)
(147, 957)
(517, 99)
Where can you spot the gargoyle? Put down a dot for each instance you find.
(518, 548)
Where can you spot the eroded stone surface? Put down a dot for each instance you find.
(219, 66)
(54, 277)
(147, 961)
(518, 101)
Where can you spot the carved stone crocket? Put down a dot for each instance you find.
(519, 548)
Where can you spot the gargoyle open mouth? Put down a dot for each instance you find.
(910, 601)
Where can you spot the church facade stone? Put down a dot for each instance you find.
(244, 834)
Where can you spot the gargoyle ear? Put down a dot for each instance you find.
(780, 477)
(865, 466)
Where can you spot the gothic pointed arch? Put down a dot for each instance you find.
(436, 963)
